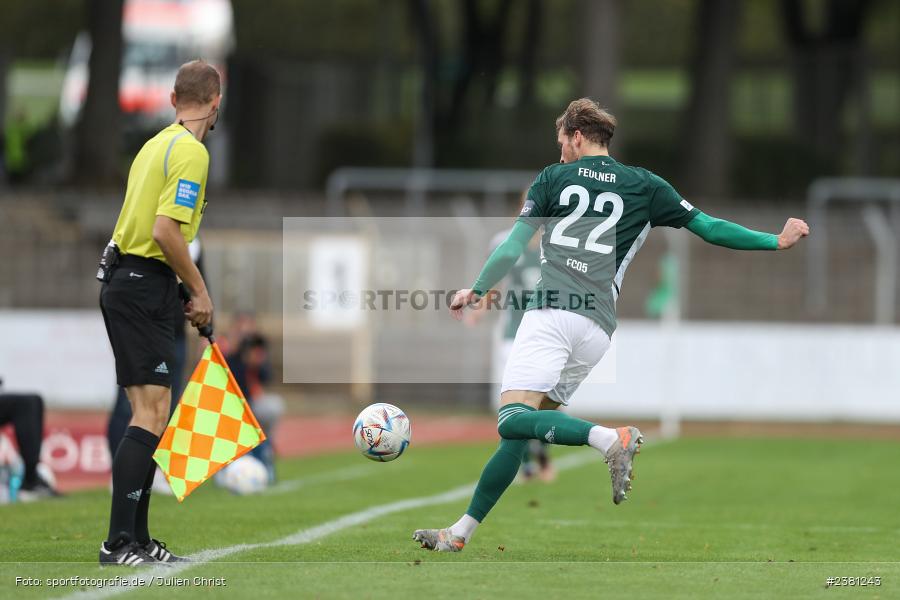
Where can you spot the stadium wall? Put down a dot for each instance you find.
(64, 355)
(747, 371)
(700, 370)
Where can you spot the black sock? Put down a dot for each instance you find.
(129, 472)
(141, 530)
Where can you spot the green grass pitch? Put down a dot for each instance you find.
(708, 518)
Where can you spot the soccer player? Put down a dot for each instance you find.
(520, 281)
(595, 213)
(164, 204)
(26, 413)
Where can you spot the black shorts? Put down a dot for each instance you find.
(141, 309)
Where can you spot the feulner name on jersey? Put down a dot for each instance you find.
(598, 175)
(577, 265)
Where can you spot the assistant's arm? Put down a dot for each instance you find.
(730, 235)
(167, 235)
(503, 257)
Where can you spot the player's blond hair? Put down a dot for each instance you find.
(595, 123)
(197, 83)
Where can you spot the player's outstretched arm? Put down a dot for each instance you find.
(737, 237)
(794, 229)
(497, 266)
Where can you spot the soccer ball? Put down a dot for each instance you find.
(382, 432)
(246, 475)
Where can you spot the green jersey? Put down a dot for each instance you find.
(596, 214)
(520, 282)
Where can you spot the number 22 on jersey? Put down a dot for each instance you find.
(558, 236)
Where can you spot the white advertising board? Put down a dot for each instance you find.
(750, 371)
(64, 355)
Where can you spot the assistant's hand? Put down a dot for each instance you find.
(794, 229)
(199, 310)
(462, 299)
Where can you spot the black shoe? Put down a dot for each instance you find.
(158, 552)
(39, 490)
(124, 553)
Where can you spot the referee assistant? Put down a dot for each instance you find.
(164, 203)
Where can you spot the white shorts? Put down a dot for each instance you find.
(553, 352)
(501, 351)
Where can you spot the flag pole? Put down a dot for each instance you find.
(207, 332)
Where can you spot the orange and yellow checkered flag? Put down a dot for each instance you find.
(211, 426)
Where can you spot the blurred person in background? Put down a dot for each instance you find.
(252, 370)
(140, 268)
(26, 413)
(243, 324)
(521, 280)
(571, 317)
(121, 413)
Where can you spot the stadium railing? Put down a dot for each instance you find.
(882, 228)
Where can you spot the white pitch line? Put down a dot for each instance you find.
(311, 534)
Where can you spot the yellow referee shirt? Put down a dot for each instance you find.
(167, 177)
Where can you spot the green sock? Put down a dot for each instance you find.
(522, 422)
(498, 473)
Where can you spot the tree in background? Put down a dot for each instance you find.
(4, 69)
(827, 62)
(450, 75)
(602, 22)
(706, 140)
(484, 36)
(376, 82)
(98, 134)
(27, 32)
(425, 32)
(529, 53)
